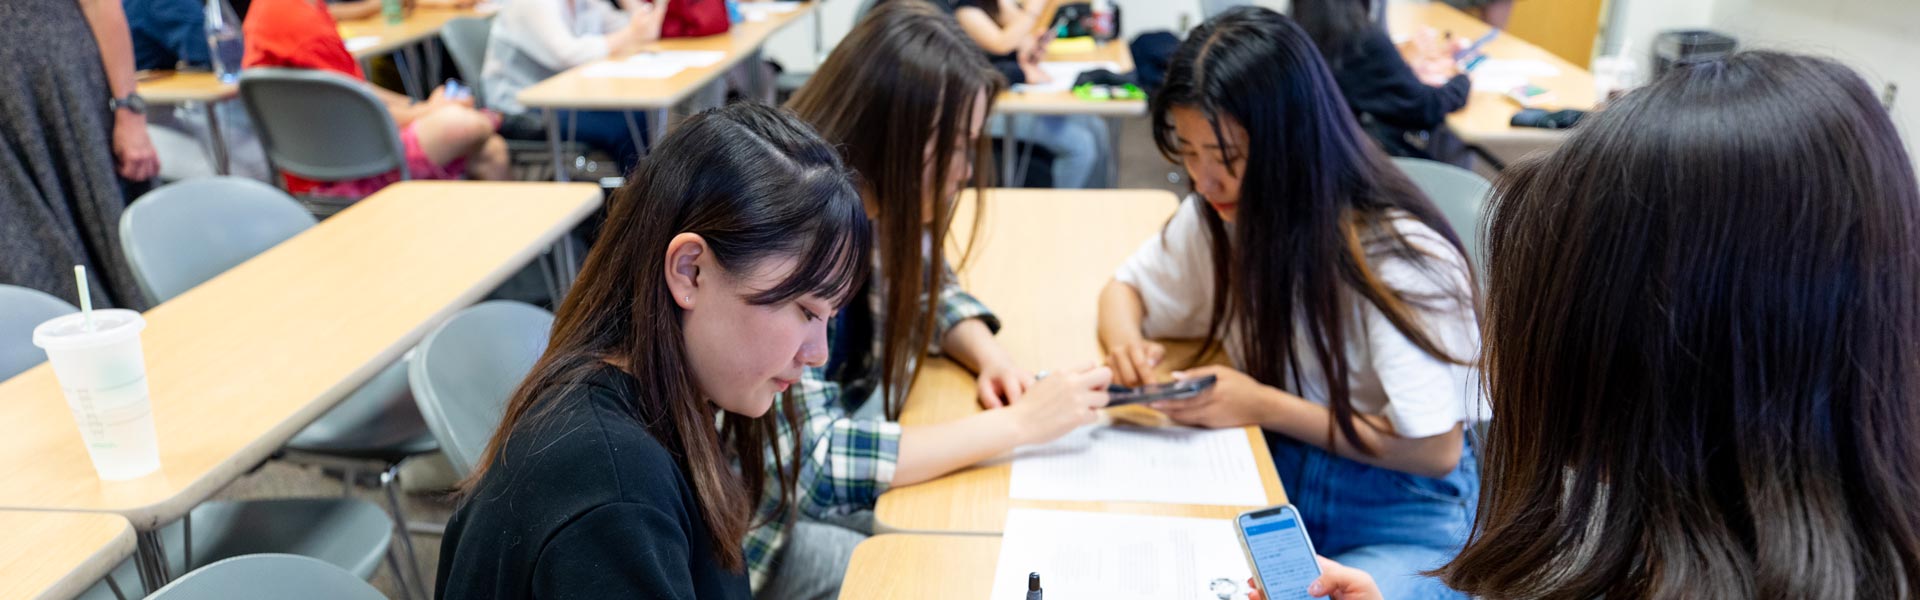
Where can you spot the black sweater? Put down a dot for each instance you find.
(1377, 81)
(584, 503)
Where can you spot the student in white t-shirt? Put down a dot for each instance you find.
(1348, 305)
(533, 40)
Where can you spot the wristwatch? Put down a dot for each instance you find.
(132, 102)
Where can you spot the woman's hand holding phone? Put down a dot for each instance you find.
(1133, 362)
(1337, 581)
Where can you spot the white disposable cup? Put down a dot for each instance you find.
(104, 376)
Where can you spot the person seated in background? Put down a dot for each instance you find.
(169, 35)
(443, 137)
(1010, 33)
(533, 40)
(1390, 96)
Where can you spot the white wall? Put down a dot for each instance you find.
(793, 47)
(1878, 38)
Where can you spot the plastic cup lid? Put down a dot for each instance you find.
(66, 332)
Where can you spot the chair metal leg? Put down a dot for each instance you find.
(151, 558)
(390, 482)
(393, 564)
(115, 586)
(186, 542)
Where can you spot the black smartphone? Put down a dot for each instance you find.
(1120, 395)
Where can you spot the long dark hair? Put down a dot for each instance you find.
(904, 78)
(756, 184)
(1316, 201)
(1338, 27)
(1700, 348)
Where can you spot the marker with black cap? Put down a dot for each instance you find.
(1033, 586)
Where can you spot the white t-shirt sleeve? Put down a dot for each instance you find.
(539, 29)
(1173, 272)
(1426, 396)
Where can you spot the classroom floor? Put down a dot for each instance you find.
(1140, 167)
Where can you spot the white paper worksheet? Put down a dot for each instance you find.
(1120, 557)
(1064, 72)
(1172, 465)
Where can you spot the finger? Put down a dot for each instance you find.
(1138, 354)
(1093, 378)
(1156, 353)
(1013, 387)
(1253, 592)
(1123, 368)
(988, 399)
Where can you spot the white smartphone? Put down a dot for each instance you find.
(1279, 551)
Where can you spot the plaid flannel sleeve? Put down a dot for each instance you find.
(846, 464)
(956, 305)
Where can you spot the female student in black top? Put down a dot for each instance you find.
(721, 262)
(1701, 324)
(1387, 93)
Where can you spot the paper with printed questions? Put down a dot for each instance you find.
(1169, 465)
(1120, 557)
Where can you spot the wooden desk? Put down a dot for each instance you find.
(1488, 115)
(924, 567)
(419, 25)
(1040, 262)
(59, 554)
(573, 90)
(239, 364)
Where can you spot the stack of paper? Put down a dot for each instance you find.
(1063, 74)
(1501, 75)
(690, 59)
(358, 43)
(1119, 557)
(626, 69)
(1170, 465)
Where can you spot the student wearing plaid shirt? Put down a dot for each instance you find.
(907, 62)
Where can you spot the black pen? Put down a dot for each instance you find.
(1033, 586)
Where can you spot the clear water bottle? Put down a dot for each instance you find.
(393, 11)
(1102, 25)
(223, 40)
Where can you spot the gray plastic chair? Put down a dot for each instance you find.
(466, 41)
(321, 126)
(182, 234)
(466, 369)
(280, 576)
(348, 535)
(22, 309)
(1460, 194)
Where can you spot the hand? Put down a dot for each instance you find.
(1059, 404)
(1133, 362)
(1235, 400)
(645, 18)
(1002, 384)
(132, 151)
(1336, 580)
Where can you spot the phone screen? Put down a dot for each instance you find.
(1282, 555)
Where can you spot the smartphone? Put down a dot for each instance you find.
(1279, 551)
(1120, 395)
(457, 90)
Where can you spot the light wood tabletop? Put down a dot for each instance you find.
(418, 25)
(1065, 103)
(573, 89)
(59, 554)
(923, 567)
(1041, 258)
(239, 364)
(1489, 114)
(180, 87)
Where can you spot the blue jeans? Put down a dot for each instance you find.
(1079, 144)
(1392, 525)
(607, 132)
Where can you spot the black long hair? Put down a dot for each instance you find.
(1338, 27)
(756, 184)
(1316, 202)
(1700, 344)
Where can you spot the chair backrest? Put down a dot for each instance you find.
(22, 309)
(466, 41)
(321, 125)
(288, 576)
(184, 233)
(464, 372)
(1460, 194)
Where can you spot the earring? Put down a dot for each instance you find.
(689, 298)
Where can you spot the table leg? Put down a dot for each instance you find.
(759, 79)
(1113, 152)
(656, 127)
(403, 62)
(553, 145)
(150, 556)
(633, 130)
(1007, 150)
(433, 59)
(216, 142)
